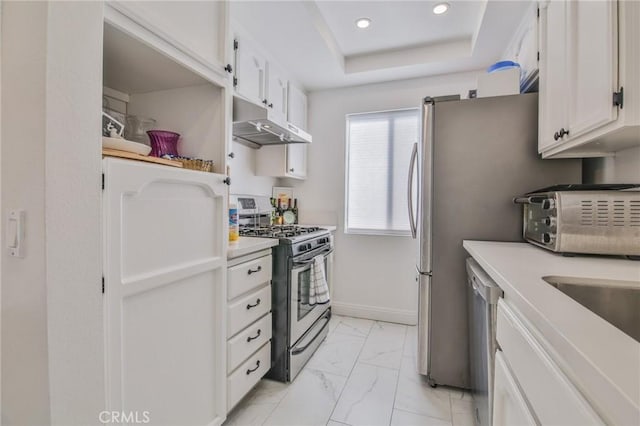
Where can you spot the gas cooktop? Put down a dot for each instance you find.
(283, 232)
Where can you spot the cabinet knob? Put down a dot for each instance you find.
(270, 105)
(231, 155)
(563, 132)
(228, 68)
(227, 180)
(292, 170)
(264, 101)
(556, 136)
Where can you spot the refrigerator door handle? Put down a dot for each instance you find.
(412, 165)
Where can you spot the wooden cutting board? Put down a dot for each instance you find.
(133, 156)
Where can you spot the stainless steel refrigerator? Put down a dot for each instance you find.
(474, 157)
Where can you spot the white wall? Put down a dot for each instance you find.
(25, 385)
(624, 167)
(52, 339)
(374, 275)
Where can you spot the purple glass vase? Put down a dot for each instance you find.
(163, 142)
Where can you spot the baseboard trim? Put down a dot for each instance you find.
(377, 313)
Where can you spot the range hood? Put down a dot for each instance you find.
(255, 124)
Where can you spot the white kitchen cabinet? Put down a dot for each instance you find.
(550, 395)
(249, 324)
(509, 405)
(197, 28)
(288, 161)
(250, 70)
(260, 81)
(297, 107)
(277, 88)
(588, 55)
(165, 292)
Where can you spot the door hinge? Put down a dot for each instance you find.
(538, 56)
(618, 98)
(235, 44)
(102, 285)
(103, 181)
(235, 81)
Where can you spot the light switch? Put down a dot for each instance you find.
(15, 233)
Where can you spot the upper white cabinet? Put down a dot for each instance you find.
(197, 28)
(258, 80)
(288, 161)
(277, 87)
(297, 107)
(589, 78)
(250, 70)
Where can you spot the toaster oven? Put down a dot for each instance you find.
(590, 219)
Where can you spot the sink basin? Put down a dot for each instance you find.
(617, 302)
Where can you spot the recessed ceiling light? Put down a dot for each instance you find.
(440, 8)
(363, 23)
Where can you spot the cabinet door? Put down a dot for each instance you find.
(297, 107)
(593, 64)
(197, 28)
(553, 73)
(509, 405)
(297, 160)
(250, 72)
(165, 292)
(277, 92)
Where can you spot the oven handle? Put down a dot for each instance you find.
(306, 262)
(297, 351)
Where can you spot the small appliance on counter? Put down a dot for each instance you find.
(585, 219)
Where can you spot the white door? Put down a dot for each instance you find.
(277, 92)
(297, 160)
(198, 28)
(553, 74)
(509, 404)
(250, 72)
(165, 292)
(593, 64)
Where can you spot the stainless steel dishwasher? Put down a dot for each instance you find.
(482, 298)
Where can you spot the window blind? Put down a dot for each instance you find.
(378, 149)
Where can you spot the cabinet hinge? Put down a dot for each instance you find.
(538, 12)
(103, 181)
(538, 56)
(618, 98)
(102, 285)
(235, 81)
(235, 44)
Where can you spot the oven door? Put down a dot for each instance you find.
(304, 315)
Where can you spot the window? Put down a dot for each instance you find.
(379, 145)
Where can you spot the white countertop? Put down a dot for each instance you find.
(247, 245)
(603, 360)
(330, 228)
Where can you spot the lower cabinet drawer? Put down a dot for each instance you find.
(247, 342)
(553, 397)
(248, 275)
(247, 375)
(248, 309)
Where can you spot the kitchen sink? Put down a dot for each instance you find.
(617, 302)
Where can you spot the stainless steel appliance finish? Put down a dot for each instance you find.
(596, 222)
(482, 305)
(617, 302)
(255, 125)
(473, 157)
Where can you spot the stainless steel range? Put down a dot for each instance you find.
(298, 327)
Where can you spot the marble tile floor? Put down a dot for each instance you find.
(363, 374)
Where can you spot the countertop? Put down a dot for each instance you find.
(247, 245)
(602, 360)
